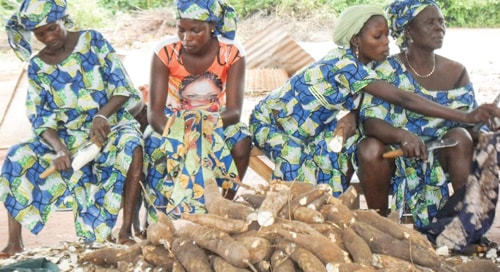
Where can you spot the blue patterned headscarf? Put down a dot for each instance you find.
(217, 11)
(33, 14)
(400, 14)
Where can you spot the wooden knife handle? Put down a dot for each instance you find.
(51, 170)
(393, 154)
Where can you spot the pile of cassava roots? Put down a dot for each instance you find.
(281, 227)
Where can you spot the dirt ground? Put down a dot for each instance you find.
(475, 48)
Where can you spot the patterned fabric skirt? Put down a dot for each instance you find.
(196, 148)
(469, 213)
(309, 161)
(94, 192)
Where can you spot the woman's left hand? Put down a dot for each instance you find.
(100, 129)
(347, 124)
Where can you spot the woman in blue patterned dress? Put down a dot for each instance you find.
(294, 124)
(196, 100)
(420, 179)
(78, 89)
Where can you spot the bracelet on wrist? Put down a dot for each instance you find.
(100, 116)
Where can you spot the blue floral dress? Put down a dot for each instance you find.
(294, 124)
(65, 97)
(422, 187)
(197, 146)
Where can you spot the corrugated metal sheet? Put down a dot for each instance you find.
(274, 48)
(263, 80)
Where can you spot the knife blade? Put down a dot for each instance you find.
(441, 143)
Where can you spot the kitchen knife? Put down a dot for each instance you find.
(442, 143)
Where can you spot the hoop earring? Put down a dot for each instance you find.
(410, 40)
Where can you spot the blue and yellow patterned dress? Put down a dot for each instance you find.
(198, 146)
(65, 97)
(420, 186)
(294, 124)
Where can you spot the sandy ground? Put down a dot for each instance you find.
(475, 48)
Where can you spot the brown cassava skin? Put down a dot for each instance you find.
(217, 242)
(350, 198)
(298, 188)
(159, 234)
(258, 247)
(319, 202)
(192, 257)
(272, 204)
(301, 200)
(338, 214)
(305, 259)
(357, 247)
(387, 262)
(158, 256)
(164, 219)
(350, 267)
(382, 243)
(308, 215)
(478, 265)
(332, 232)
(253, 199)
(177, 267)
(395, 229)
(218, 222)
(111, 256)
(323, 248)
(215, 203)
(281, 262)
(220, 265)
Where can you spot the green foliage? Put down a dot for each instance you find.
(131, 5)
(471, 13)
(88, 14)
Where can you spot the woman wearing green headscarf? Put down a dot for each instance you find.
(420, 187)
(78, 89)
(294, 124)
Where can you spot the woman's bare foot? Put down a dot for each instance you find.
(10, 251)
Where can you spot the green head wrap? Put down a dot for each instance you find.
(351, 21)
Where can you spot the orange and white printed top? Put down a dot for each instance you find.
(206, 91)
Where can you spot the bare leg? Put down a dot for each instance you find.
(15, 242)
(130, 195)
(241, 157)
(375, 174)
(457, 160)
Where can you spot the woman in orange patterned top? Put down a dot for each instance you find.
(195, 105)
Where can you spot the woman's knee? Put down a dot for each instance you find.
(370, 149)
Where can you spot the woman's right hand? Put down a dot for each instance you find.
(63, 159)
(482, 114)
(413, 146)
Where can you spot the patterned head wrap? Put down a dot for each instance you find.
(33, 14)
(351, 21)
(401, 13)
(217, 11)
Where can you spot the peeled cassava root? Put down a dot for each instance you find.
(290, 227)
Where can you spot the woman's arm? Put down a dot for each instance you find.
(235, 91)
(157, 94)
(416, 103)
(100, 126)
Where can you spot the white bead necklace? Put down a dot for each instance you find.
(416, 73)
